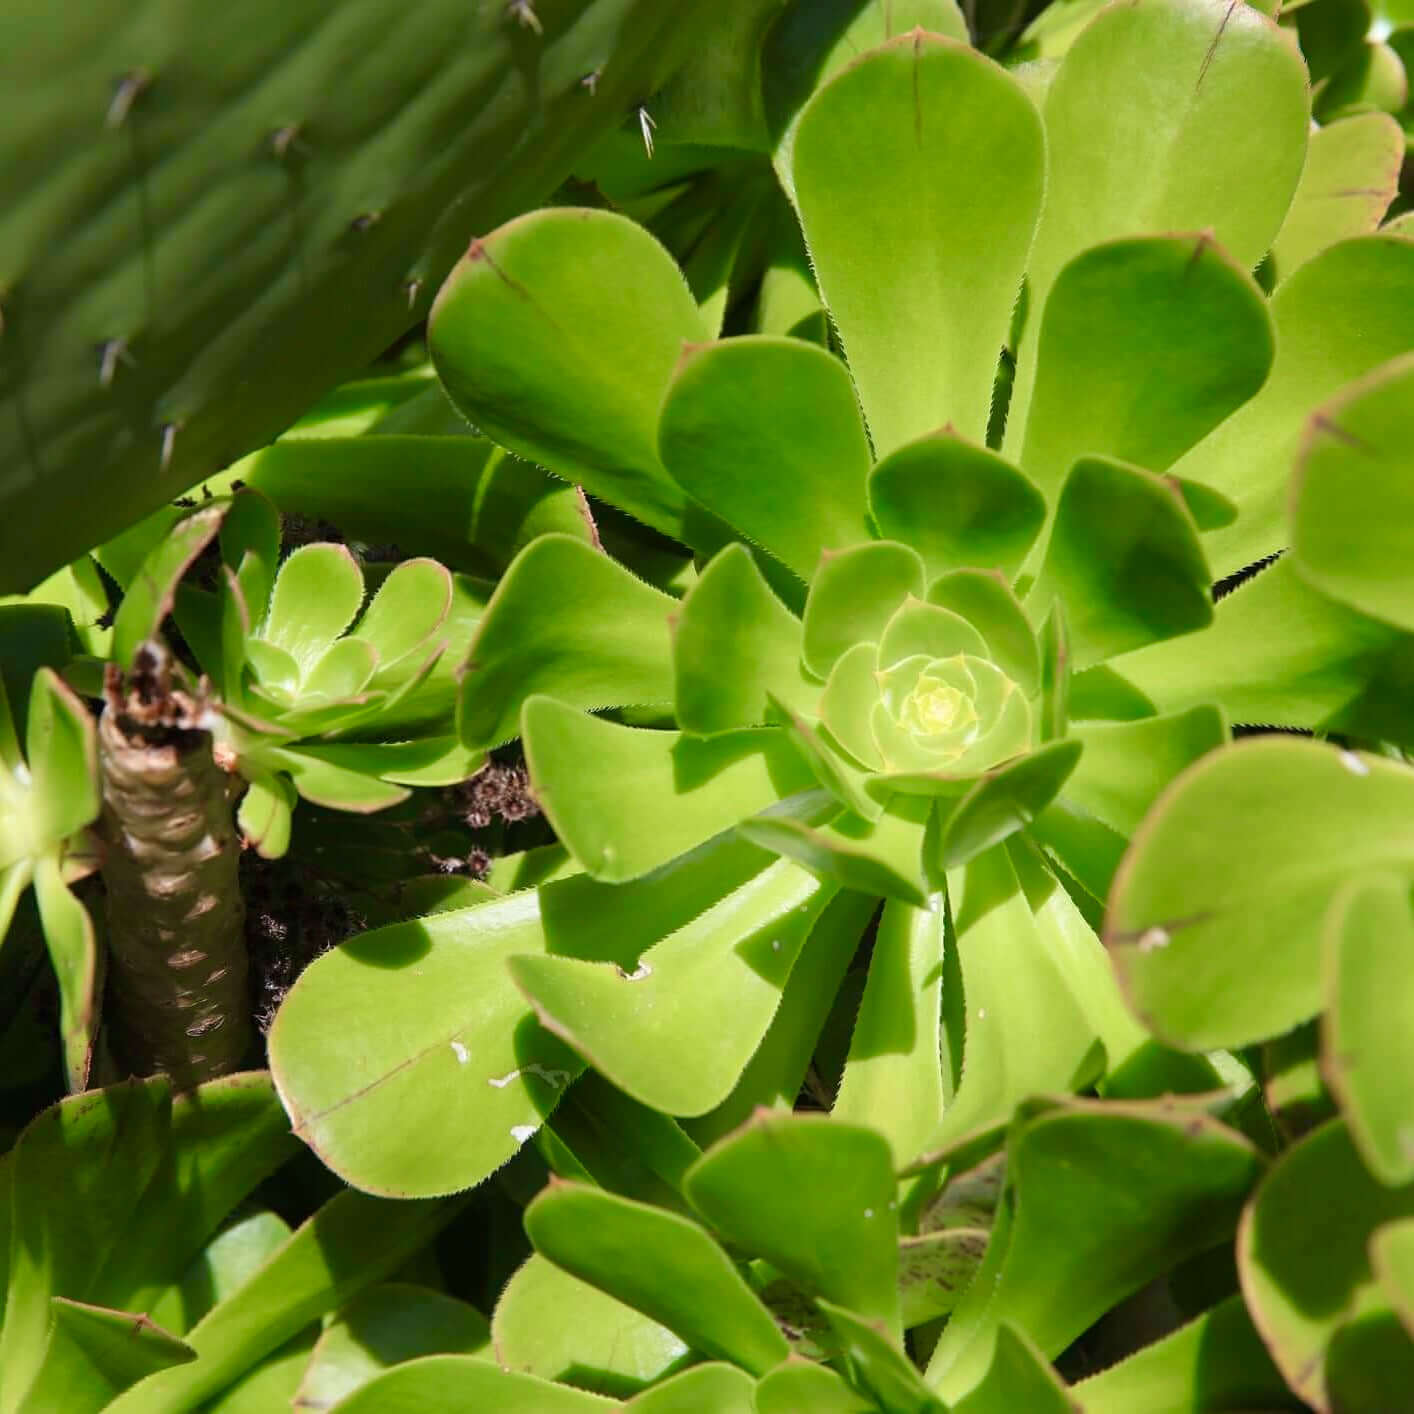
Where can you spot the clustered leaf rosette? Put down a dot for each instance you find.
(782, 738)
(318, 690)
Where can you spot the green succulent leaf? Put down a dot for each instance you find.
(586, 773)
(1073, 1167)
(1351, 175)
(831, 770)
(429, 761)
(1145, 346)
(405, 613)
(880, 856)
(470, 1382)
(766, 434)
(678, 1029)
(1303, 1254)
(1217, 1358)
(149, 595)
(935, 1268)
(265, 815)
(893, 1079)
(317, 593)
(1392, 1257)
(722, 1388)
(1212, 137)
(774, 1075)
(879, 1364)
(1352, 495)
(342, 671)
(920, 629)
(250, 546)
(1125, 560)
(816, 1198)
(238, 1250)
(801, 1384)
(984, 599)
(1367, 1039)
(94, 1354)
(734, 645)
(276, 672)
(557, 335)
(956, 504)
(853, 595)
(1280, 652)
(73, 953)
(170, 1172)
(383, 1326)
(1026, 1029)
(62, 747)
(1005, 800)
(1338, 317)
(336, 787)
(606, 643)
(1126, 765)
(1019, 1377)
(661, 1264)
(554, 1326)
(624, 1146)
(846, 705)
(918, 172)
(364, 1088)
(1225, 949)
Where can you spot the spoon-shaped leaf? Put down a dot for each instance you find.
(677, 1031)
(956, 504)
(1342, 314)
(550, 1324)
(734, 645)
(853, 595)
(816, 1198)
(1145, 346)
(659, 1263)
(1216, 919)
(436, 1103)
(766, 433)
(1106, 1195)
(918, 173)
(1303, 1254)
(1367, 1039)
(605, 644)
(557, 334)
(1351, 175)
(1352, 496)
(893, 1079)
(317, 593)
(1125, 560)
(1166, 115)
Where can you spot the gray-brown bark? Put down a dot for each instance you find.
(177, 998)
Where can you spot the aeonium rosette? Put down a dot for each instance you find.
(883, 643)
(311, 686)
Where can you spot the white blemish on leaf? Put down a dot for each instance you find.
(638, 974)
(775, 945)
(1354, 764)
(1151, 939)
(521, 1132)
(460, 1052)
(868, 1212)
(981, 1013)
(557, 1079)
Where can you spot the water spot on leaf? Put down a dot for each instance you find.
(462, 1054)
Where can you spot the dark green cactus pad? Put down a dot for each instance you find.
(210, 215)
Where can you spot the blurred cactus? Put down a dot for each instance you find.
(193, 196)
